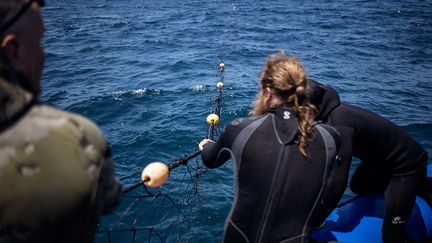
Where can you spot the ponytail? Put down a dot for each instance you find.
(287, 78)
(306, 113)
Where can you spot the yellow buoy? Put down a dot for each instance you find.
(155, 174)
(220, 85)
(212, 119)
(222, 65)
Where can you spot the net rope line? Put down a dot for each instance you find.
(161, 193)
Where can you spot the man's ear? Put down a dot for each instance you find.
(9, 46)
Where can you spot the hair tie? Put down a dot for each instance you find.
(285, 93)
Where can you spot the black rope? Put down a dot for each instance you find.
(178, 209)
(183, 160)
(134, 232)
(210, 134)
(128, 189)
(172, 165)
(217, 102)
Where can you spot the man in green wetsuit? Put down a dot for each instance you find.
(56, 173)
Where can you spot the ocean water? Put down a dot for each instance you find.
(146, 73)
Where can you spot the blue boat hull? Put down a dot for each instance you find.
(360, 220)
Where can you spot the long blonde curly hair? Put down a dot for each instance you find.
(286, 77)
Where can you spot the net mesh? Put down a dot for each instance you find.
(166, 211)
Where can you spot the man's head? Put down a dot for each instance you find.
(21, 32)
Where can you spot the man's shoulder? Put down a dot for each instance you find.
(45, 147)
(52, 113)
(58, 117)
(47, 123)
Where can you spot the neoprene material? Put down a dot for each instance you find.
(360, 220)
(391, 160)
(277, 190)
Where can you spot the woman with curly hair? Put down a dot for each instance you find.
(282, 159)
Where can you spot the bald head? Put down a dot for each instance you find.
(20, 43)
(12, 10)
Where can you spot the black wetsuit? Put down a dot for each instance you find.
(277, 190)
(391, 160)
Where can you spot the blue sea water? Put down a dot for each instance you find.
(146, 73)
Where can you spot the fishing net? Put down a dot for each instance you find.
(167, 211)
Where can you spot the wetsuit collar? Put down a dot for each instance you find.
(285, 124)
